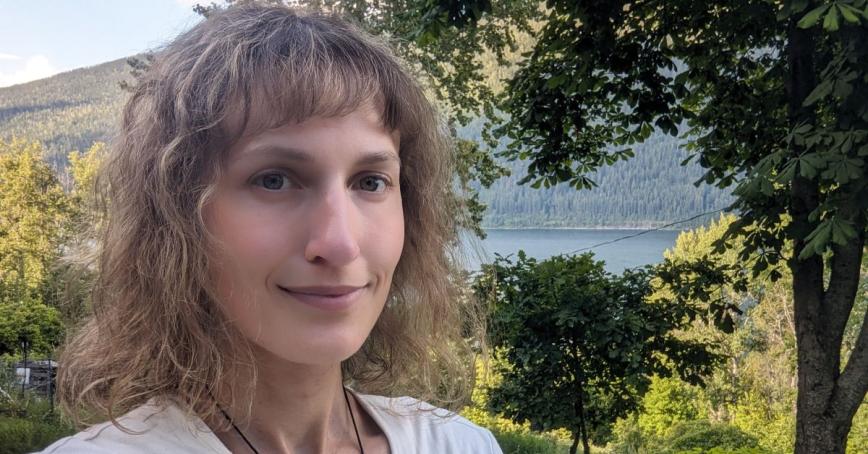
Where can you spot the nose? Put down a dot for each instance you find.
(333, 229)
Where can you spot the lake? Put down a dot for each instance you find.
(618, 253)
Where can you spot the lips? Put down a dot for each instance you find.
(327, 298)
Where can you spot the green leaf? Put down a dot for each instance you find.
(843, 170)
(820, 91)
(850, 14)
(788, 172)
(556, 81)
(830, 23)
(810, 164)
(817, 240)
(810, 19)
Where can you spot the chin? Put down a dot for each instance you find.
(326, 352)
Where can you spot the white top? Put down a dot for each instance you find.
(169, 430)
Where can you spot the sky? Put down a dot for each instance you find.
(40, 38)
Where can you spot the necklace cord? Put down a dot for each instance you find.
(249, 444)
(252, 448)
(353, 418)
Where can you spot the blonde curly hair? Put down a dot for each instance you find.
(156, 330)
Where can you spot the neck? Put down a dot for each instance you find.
(297, 408)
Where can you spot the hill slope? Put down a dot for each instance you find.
(68, 111)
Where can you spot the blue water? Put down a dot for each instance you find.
(618, 254)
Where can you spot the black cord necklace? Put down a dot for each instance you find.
(250, 445)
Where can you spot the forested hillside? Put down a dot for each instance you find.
(650, 190)
(72, 110)
(65, 112)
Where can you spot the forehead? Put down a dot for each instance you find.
(357, 135)
(257, 113)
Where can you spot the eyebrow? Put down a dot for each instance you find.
(295, 154)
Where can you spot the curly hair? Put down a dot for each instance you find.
(156, 329)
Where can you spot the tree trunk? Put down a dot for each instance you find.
(581, 407)
(582, 428)
(827, 398)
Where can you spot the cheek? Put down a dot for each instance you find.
(244, 250)
(388, 238)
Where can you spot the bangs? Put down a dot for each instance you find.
(300, 69)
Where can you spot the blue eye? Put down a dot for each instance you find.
(272, 181)
(373, 183)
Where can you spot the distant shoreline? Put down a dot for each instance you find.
(669, 229)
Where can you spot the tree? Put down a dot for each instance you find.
(774, 97)
(33, 214)
(36, 324)
(581, 345)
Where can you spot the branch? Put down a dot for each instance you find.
(852, 385)
(838, 301)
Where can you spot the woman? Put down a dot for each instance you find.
(277, 228)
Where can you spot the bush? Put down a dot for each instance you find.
(724, 451)
(527, 443)
(18, 435)
(28, 423)
(703, 437)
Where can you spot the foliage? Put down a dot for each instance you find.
(34, 323)
(774, 96)
(704, 436)
(37, 218)
(28, 423)
(629, 192)
(84, 167)
(668, 402)
(755, 388)
(34, 211)
(512, 437)
(33, 208)
(526, 443)
(724, 451)
(488, 378)
(580, 345)
(857, 443)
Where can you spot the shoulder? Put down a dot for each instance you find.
(412, 425)
(150, 428)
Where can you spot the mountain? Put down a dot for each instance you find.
(72, 110)
(68, 111)
(649, 190)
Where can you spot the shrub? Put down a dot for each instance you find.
(28, 423)
(527, 443)
(19, 435)
(701, 437)
(724, 451)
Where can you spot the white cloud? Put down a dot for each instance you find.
(35, 67)
(9, 57)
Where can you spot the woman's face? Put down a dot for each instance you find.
(311, 225)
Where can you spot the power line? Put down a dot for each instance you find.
(644, 232)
